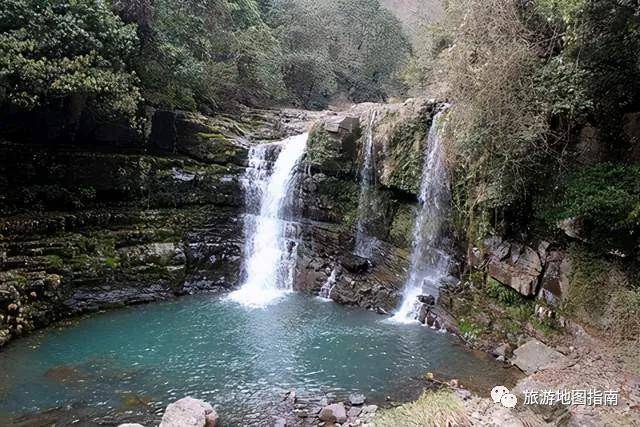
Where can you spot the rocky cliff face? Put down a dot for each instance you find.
(84, 228)
(330, 202)
(87, 227)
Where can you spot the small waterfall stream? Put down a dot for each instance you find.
(269, 258)
(327, 287)
(364, 242)
(429, 259)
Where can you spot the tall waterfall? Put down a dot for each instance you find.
(364, 242)
(429, 259)
(269, 259)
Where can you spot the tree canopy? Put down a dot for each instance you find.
(195, 55)
(59, 52)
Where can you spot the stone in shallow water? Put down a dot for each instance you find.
(189, 412)
(335, 413)
(357, 398)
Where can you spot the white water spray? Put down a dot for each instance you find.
(269, 258)
(429, 261)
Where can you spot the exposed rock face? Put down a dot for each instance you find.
(334, 413)
(189, 412)
(555, 280)
(329, 197)
(516, 266)
(534, 356)
(85, 228)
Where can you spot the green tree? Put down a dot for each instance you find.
(351, 47)
(70, 54)
(205, 54)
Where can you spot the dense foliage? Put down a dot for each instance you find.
(70, 54)
(525, 78)
(606, 200)
(201, 54)
(189, 54)
(356, 48)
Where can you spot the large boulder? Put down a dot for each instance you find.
(517, 266)
(335, 413)
(189, 412)
(555, 280)
(332, 147)
(534, 356)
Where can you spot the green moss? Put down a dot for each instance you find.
(55, 261)
(323, 150)
(212, 135)
(503, 294)
(112, 262)
(404, 156)
(469, 329)
(341, 196)
(401, 229)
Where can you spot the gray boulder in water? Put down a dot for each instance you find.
(189, 412)
(357, 399)
(335, 413)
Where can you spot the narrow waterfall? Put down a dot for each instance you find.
(269, 259)
(429, 259)
(327, 287)
(364, 242)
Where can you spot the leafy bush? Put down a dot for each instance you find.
(469, 329)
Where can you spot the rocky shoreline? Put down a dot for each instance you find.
(89, 229)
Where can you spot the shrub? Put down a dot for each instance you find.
(469, 329)
(503, 294)
(432, 409)
(622, 314)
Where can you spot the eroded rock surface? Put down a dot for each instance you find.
(189, 412)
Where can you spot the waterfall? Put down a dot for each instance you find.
(429, 259)
(269, 256)
(327, 287)
(364, 242)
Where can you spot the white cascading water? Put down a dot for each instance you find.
(327, 287)
(364, 242)
(269, 258)
(429, 260)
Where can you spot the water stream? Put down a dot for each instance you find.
(429, 260)
(269, 255)
(365, 242)
(327, 286)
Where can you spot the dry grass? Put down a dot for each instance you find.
(434, 408)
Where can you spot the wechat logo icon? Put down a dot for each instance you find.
(500, 394)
